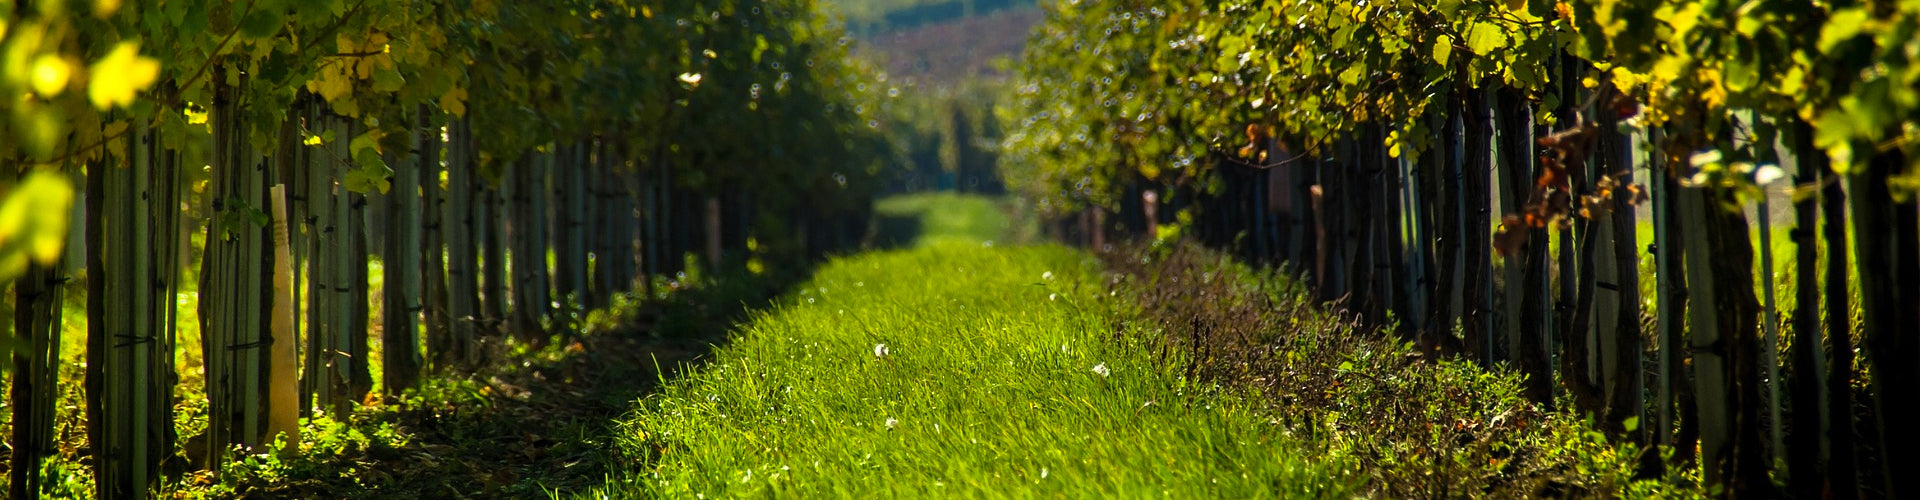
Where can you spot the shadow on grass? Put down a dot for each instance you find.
(896, 231)
(531, 422)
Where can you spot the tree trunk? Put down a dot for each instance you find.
(1625, 380)
(1725, 337)
(400, 337)
(492, 216)
(360, 310)
(1806, 455)
(318, 200)
(1769, 348)
(335, 361)
(1889, 258)
(235, 290)
(1669, 249)
(1579, 346)
(530, 278)
(1418, 255)
(490, 220)
(1477, 231)
(283, 363)
(714, 251)
(568, 184)
(613, 220)
(1443, 183)
(1843, 474)
(433, 250)
(463, 253)
(283, 387)
(37, 302)
(1527, 286)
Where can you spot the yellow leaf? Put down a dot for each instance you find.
(50, 74)
(332, 82)
(196, 117)
(454, 101)
(1715, 91)
(34, 216)
(105, 8)
(116, 133)
(121, 75)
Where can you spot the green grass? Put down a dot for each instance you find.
(944, 216)
(1001, 376)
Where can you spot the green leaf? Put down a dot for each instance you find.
(1842, 26)
(1630, 424)
(369, 178)
(1486, 38)
(1352, 75)
(1344, 36)
(39, 128)
(263, 23)
(388, 79)
(1742, 75)
(1443, 49)
(238, 214)
(373, 175)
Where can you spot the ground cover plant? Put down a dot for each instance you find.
(537, 419)
(1410, 424)
(955, 369)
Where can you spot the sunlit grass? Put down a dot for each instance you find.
(953, 370)
(953, 217)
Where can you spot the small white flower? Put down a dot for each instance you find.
(1053, 296)
(1043, 473)
(880, 350)
(1047, 276)
(891, 422)
(1102, 369)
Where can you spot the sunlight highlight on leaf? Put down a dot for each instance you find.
(50, 74)
(33, 219)
(120, 75)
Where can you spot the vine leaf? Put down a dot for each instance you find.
(120, 75)
(1486, 38)
(33, 221)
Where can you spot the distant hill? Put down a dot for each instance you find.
(867, 18)
(945, 53)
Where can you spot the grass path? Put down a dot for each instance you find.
(953, 369)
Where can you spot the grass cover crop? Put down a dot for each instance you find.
(954, 369)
